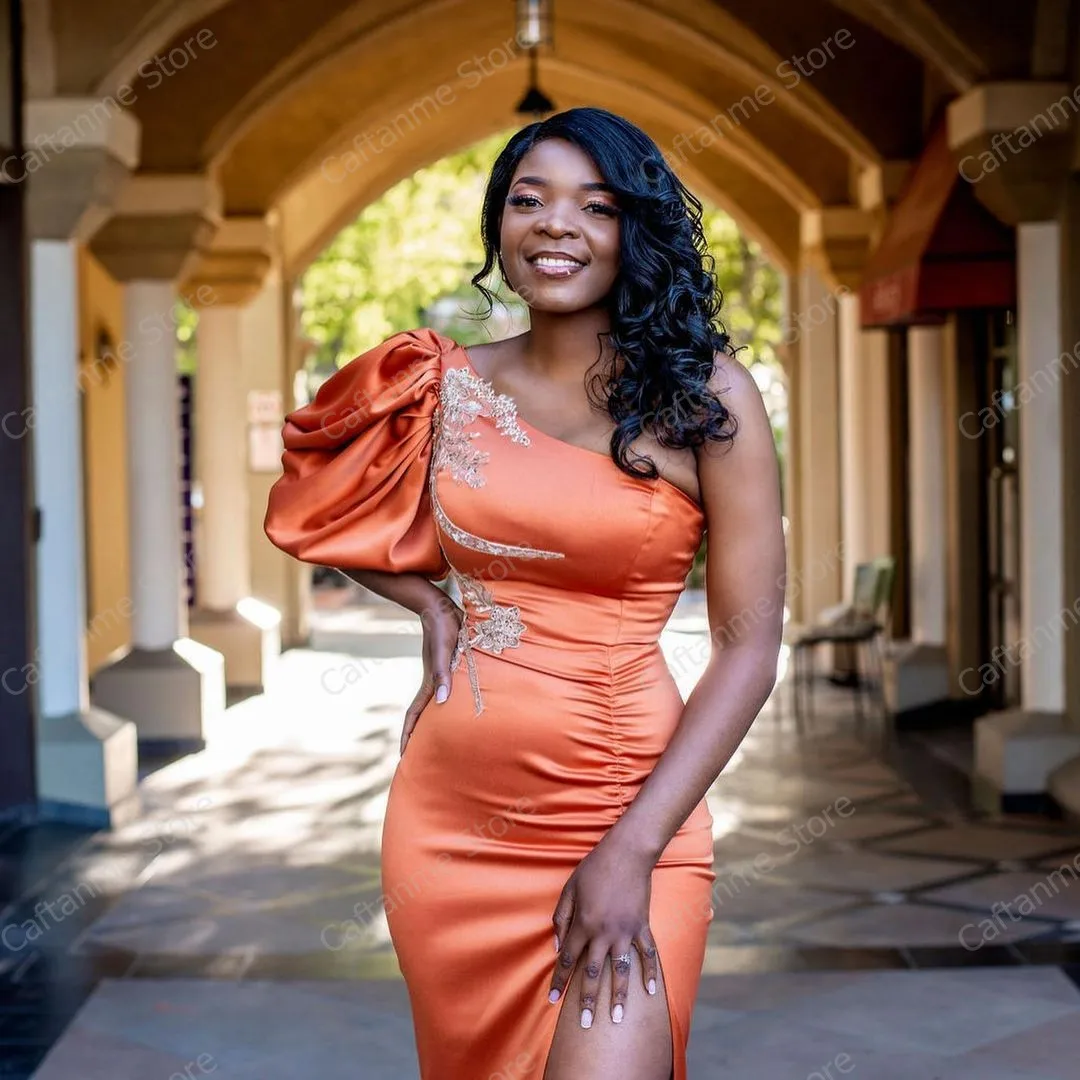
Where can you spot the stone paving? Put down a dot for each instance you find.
(863, 924)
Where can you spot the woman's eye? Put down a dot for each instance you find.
(603, 208)
(523, 200)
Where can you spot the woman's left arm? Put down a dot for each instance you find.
(603, 909)
(744, 580)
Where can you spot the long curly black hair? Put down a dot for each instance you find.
(665, 303)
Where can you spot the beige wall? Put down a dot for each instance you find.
(108, 608)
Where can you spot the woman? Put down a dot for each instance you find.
(550, 777)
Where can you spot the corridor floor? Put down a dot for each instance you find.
(867, 922)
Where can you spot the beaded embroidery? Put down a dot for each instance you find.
(463, 397)
(500, 627)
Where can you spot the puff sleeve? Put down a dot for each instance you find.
(353, 494)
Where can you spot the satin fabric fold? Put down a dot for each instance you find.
(355, 462)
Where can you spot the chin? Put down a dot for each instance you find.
(562, 303)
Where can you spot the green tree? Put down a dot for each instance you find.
(417, 244)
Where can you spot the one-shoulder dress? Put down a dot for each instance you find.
(567, 569)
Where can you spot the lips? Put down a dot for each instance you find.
(555, 264)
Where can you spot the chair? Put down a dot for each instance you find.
(861, 626)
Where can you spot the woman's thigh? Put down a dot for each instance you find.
(638, 1048)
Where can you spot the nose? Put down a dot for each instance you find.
(557, 222)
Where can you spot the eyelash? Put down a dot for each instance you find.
(605, 209)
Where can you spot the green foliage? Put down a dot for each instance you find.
(750, 286)
(185, 319)
(417, 244)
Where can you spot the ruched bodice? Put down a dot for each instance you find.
(408, 460)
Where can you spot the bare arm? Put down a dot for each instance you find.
(745, 591)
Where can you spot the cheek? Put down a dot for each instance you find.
(609, 250)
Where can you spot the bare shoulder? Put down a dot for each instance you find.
(736, 388)
(487, 357)
(732, 382)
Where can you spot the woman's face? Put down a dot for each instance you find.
(560, 230)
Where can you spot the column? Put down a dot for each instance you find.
(1028, 750)
(926, 425)
(818, 575)
(57, 439)
(854, 479)
(917, 670)
(159, 617)
(17, 781)
(224, 564)
(1024, 752)
(170, 685)
(226, 282)
(864, 439)
(1042, 581)
(1064, 782)
(87, 759)
(270, 361)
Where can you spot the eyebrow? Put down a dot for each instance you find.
(539, 181)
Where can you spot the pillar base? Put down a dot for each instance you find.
(251, 646)
(171, 695)
(88, 769)
(1015, 755)
(916, 675)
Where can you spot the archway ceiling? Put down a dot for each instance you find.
(327, 194)
(264, 108)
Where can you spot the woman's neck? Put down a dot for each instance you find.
(564, 347)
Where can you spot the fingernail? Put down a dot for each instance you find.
(442, 693)
(586, 1018)
(616, 1014)
(652, 986)
(554, 996)
(556, 942)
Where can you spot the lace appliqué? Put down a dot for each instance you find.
(463, 397)
(493, 627)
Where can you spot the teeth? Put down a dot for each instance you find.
(545, 260)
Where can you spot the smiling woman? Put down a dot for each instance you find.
(561, 480)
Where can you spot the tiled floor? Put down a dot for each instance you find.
(855, 893)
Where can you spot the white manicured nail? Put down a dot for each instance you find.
(586, 1018)
(652, 986)
(616, 1014)
(553, 996)
(441, 694)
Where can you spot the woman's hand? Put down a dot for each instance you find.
(441, 621)
(604, 911)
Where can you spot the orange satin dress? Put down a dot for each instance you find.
(561, 701)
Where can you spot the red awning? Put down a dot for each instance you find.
(942, 250)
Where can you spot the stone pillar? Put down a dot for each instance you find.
(87, 758)
(246, 631)
(917, 670)
(926, 425)
(864, 440)
(17, 645)
(1064, 782)
(1042, 553)
(171, 686)
(1023, 753)
(817, 444)
(269, 370)
(836, 241)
